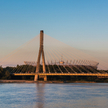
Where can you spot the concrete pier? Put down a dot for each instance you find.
(45, 78)
(35, 77)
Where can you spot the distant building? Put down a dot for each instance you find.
(84, 63)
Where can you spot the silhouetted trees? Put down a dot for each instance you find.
(6, 73)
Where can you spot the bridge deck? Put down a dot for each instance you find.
(64, 74)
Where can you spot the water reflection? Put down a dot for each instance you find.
(94, 95)
(40, 95)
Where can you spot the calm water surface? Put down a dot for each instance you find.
(73, 95)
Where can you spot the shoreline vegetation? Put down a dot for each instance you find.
(6, 76)
(59, 82)
(28, 81)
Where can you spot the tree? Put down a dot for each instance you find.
(1, 72)
(6, 75)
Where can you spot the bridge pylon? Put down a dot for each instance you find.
(41, 53)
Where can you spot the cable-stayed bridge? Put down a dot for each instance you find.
(45, 56)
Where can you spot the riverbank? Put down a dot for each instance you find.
(16, 81)
(28, 81)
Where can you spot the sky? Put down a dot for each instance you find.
(82, 24)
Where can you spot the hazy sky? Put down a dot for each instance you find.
(82, 24)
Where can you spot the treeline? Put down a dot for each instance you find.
(77, 78)
(6, 73)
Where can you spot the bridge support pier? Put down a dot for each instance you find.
(45, 78)
(35, 77)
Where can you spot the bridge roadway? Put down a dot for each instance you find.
(44, 75)
(64, 74)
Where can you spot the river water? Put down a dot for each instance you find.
(67, 95)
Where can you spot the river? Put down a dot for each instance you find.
(66, 95)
